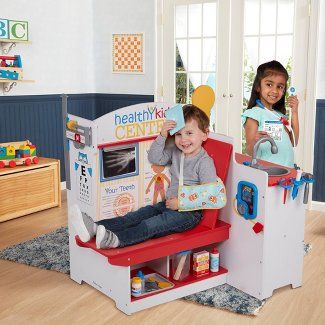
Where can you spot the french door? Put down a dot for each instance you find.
(220, 43)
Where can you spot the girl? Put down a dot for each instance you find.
(265, 115)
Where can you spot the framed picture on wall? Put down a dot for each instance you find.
(128, 53)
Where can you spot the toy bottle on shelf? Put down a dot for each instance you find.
(136, 287)
(214, 260)
(141, 276)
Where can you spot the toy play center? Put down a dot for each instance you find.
(255, 241)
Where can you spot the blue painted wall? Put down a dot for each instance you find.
(319, 153)
(39, 118)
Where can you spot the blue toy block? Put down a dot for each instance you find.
(4, 32)
(9, 74)
(2, 151)
(17, 62)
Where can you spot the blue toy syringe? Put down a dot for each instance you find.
(296, 183)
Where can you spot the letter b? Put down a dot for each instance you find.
(4, 28)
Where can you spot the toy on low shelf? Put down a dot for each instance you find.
(11, 67)
(17, 153)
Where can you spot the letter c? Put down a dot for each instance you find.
(14, 30)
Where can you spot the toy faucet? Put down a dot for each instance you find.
(274, 149)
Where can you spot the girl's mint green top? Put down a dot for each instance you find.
(265, 117)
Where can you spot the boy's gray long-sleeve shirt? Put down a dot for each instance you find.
(199, 169)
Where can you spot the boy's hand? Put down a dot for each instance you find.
(293, 103)
(172, 203)
(166, 127)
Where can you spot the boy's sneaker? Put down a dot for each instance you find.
(83, 224)
(106, 238)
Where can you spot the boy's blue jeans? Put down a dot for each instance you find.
(149, 222)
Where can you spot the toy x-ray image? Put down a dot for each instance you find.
(120, 162)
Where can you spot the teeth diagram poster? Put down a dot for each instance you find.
(118, 198)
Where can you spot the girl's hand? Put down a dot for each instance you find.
(166, 127)
(293, 103)
(172, 203)
(260, 134)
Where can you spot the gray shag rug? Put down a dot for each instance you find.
(51, 252)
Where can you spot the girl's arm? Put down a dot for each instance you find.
(252, 135)
(293, 104)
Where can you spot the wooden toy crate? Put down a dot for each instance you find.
(28, 189)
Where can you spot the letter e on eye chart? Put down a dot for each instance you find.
(84, 174)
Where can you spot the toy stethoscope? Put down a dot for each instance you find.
(283, 120)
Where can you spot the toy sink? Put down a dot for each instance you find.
(275, 171)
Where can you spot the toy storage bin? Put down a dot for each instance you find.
(28, 189)
(181, 265)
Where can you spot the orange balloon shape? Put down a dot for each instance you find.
(203, 97)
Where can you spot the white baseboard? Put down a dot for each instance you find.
(63, 186)
(317, 206)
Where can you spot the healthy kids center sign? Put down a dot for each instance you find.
(145, 122)
(13, 30)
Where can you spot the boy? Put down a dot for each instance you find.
(162, 218)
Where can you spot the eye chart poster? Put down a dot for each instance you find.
(84, 174)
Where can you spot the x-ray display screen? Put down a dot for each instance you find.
(119, 162)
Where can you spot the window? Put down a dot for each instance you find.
(221, 43)
(195, 44)
(268, 35)
(193, 28)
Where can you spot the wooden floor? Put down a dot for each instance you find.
(29, 295)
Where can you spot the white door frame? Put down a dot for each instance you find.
(310, 117)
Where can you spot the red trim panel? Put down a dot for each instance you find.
(273, 180)
(119, 143)
(177, 284)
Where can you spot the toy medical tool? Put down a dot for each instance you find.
(247, 199)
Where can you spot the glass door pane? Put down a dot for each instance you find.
(195, 40)
(268, 35)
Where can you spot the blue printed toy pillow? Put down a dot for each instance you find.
(201, 197)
